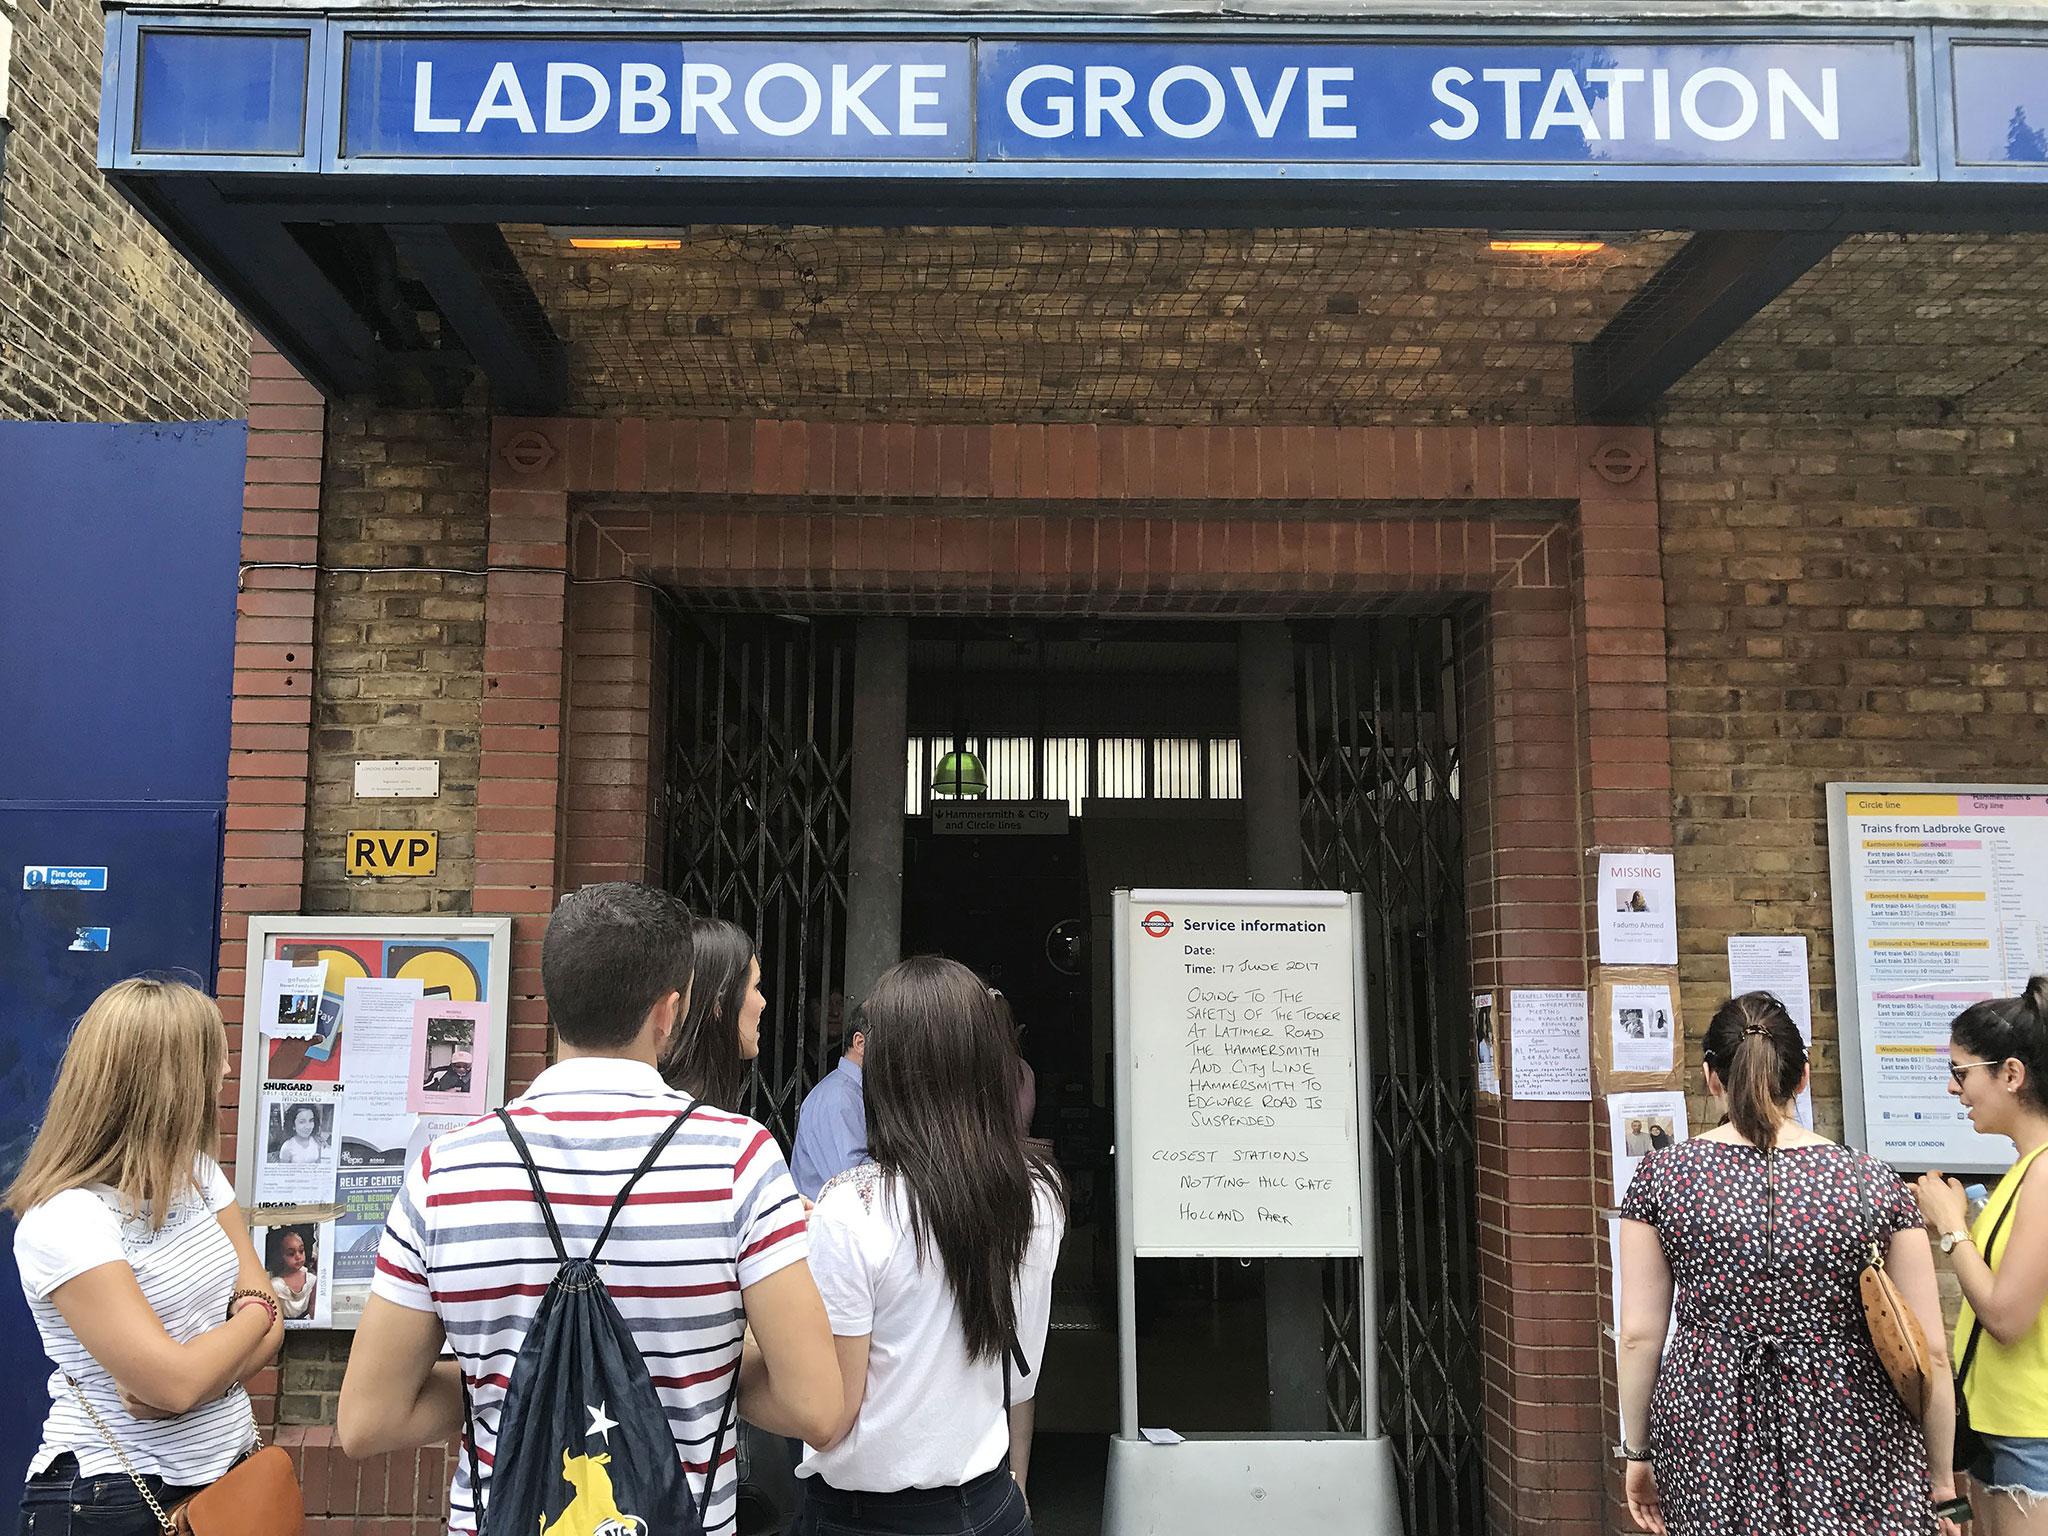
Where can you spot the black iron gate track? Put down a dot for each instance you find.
(1378, 709)
(757, 801)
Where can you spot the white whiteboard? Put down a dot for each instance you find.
(1238, 1029)
(1939, 903)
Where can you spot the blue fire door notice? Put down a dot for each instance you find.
(63, 877)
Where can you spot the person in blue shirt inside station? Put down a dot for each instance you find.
(832, 1126)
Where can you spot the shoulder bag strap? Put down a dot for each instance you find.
(163, 1520)
(732, 1397)
(1990, 1242)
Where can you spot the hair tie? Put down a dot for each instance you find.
(1756, 1029)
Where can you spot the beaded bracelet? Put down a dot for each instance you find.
(265, 1297)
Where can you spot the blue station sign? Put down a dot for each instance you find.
(1414, 103)
(665, 97)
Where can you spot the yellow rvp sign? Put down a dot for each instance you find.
(401, 851)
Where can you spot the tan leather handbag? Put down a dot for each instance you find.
(1895, 1332)
(258, 1496)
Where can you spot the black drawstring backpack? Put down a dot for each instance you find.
(584, 1446)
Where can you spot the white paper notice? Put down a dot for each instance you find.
(1638, 902)
(376, 1020)
(1641, 1028)
(289, 1002)
(1485, 1047)
(301, 1143)
(1553, 1048)
(1639, 1124)
(1776, 963)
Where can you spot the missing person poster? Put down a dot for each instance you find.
(1638, 902)
(295, 1256)
(341, 1114)
(1939, 903)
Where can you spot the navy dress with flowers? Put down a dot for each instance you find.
(1772, 1415)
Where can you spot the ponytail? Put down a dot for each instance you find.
(1754, 1046)
(2011, 1029)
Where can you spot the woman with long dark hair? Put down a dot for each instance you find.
(706, 1054)
(935, 1259)
(1998, 1069)
(1770, 1413)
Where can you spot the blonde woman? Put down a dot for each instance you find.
(138, 1268)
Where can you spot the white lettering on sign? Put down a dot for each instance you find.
(1714, 102)
(1242, 1072)
(780, 99)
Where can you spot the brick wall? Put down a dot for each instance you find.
(1849, 600)
(99, 319)
(401, 670)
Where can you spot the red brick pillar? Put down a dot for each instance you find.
(1538, 1280)
(1625, 783)
(270, 737)
(519, 783)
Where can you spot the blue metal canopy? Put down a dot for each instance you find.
(280, 147)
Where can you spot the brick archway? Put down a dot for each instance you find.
(1552, 530)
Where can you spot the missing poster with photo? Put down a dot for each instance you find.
(450, 1058)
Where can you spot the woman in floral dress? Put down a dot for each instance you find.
(1770, 1413)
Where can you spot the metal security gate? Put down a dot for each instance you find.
(757, 804)
(1378, 710)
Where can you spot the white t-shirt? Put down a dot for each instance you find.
(930, 1418)
(187, 1271)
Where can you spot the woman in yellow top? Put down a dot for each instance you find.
(1998, 1067)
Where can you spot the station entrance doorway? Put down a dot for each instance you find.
(1036, 767)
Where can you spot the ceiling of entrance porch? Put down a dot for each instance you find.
(1307, 325)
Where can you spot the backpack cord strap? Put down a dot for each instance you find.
(540, 1195)
(732, 1397)
(476, 1477)
(653, 1153)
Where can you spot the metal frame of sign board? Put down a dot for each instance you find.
(1848, 971)
(1122, 905)
(262, 930)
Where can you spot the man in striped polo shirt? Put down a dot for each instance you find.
(711, 1242)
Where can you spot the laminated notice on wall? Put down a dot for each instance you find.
(1553, 1056)
(1638, 904)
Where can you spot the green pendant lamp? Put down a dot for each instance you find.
(960, 777)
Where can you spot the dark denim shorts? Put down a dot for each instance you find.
(991, 1505)
(58, 1502)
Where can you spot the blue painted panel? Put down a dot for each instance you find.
(118, 547)
(2001, 97)
(160, 914)
(1557, 107)
(656, 98)
(221, 93)
(1763, 103)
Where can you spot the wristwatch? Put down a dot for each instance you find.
(1950, 1239)
(1629, 1452)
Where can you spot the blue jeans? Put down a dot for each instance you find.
(2013, 1463)
(58, 1502)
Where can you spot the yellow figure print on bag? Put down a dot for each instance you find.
(594, 1511)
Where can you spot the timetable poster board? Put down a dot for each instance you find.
(1939, 903)
(1239, 1027)
(327, 1124)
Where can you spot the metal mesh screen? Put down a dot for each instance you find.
(1380, 783)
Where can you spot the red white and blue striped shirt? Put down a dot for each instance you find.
(717, 1213)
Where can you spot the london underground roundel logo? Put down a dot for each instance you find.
(1157, 923)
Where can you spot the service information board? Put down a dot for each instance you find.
(357, 1023)
(1240, 1030)
(1939, 903)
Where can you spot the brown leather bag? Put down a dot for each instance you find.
(258, 1496)
(1895, 1332)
